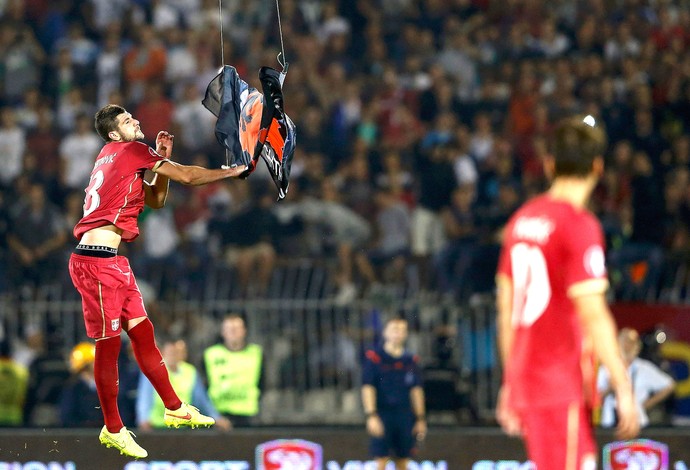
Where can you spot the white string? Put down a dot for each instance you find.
(280, 58)
(222, 65)
(282, 46)
(220, 20)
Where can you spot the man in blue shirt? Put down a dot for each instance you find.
(393, 398)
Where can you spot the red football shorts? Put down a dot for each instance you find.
(109, 293)
(559, 437)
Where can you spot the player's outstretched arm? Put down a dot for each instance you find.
(196, 175)
(598, 323)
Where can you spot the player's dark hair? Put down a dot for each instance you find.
(105, 120)
(575, 146)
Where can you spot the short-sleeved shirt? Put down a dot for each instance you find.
(392, 377)
(552, 252)
(115, 194)
(647, 379)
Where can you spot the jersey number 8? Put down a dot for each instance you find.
(92, 199)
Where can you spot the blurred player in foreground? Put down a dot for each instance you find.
(111, 299)
(551, 298)
(393, 398)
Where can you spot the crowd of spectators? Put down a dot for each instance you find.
(421, 126)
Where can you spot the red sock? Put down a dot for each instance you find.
(106, 375)
(151, 363)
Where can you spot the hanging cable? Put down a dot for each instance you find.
(220, 21)
(281, 55)
(222, 64)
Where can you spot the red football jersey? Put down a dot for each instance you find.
(552, 251)
(115, 194)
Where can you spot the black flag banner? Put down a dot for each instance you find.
(253, 123)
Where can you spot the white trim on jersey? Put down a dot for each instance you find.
(136, 177)
(588, 286)
(158, 164)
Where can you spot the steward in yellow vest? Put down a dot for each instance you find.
(234, 373)
(14, 378)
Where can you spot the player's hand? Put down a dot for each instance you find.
(375, 426)
(419, 429)
(234, 171)
(628, 417)
(506, 416)
(164, 143)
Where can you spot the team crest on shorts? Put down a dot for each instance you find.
(640, 453)
(115, 324)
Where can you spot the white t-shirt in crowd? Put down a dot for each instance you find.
(646, 378)
(79, 152)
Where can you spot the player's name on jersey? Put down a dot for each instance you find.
(536, 229)
(105, 159)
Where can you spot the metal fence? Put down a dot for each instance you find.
(313, 347)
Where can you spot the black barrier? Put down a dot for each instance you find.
(342, 449)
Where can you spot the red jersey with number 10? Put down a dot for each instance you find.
(552, 252)
(115, 194)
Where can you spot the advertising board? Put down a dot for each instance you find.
(315, 449)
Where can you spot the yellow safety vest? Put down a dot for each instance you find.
(13, 383)
(233, 379)
(182, 381)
